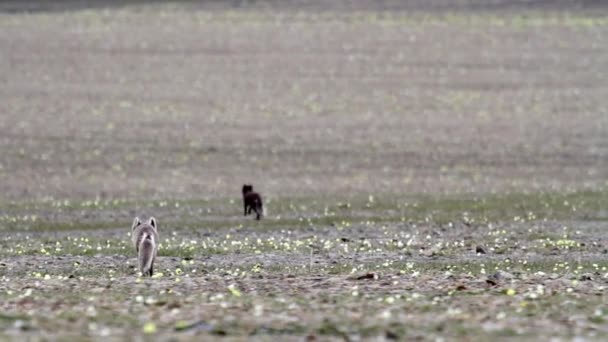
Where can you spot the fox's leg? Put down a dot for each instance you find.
(245, 207)
(258, 213)
(152, 269)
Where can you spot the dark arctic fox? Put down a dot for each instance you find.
(252, 201)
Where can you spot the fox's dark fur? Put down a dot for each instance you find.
(145, 241)
(252, 201)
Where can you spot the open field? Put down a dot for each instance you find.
(390, 147)
(382, 267)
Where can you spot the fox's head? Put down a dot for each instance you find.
(247, 188)
(137, 222)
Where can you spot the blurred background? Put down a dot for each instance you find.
(189, 99)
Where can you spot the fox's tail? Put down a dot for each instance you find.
(259, 208)
(147, 247)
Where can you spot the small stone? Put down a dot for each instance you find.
(500, 275)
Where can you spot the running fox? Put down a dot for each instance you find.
(252, 201)
(145, 240)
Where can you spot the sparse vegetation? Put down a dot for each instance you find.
(427, 175)
(346, 275)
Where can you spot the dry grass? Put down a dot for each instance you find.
(174, 103)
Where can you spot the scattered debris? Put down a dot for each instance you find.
(197, 326)
(363, 276)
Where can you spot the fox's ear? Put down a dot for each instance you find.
(152, 222)
(136, 222)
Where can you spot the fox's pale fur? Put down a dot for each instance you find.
(145, 241)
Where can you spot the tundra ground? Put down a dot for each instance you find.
(427, 174)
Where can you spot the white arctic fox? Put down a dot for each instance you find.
(145, 240)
